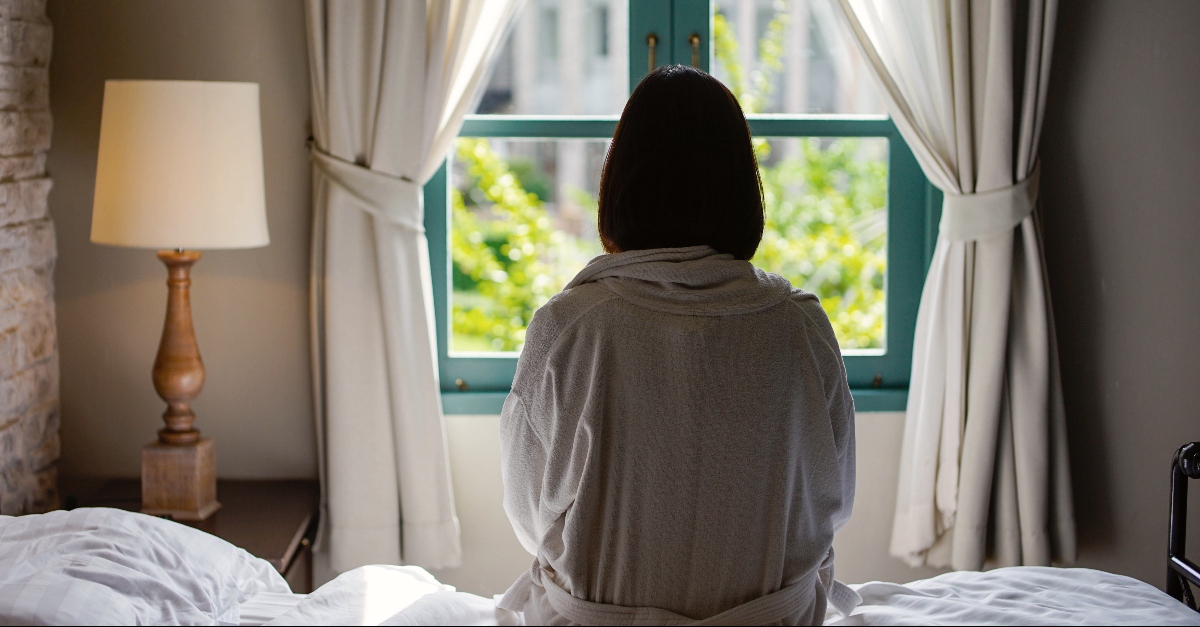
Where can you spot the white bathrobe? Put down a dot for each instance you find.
(678, 446)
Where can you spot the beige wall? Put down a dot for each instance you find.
(250, 306)
(1121, 179)
(1121, 199)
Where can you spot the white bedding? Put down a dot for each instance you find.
(103, 566)
(1018, 596)
(96, 566)
(267, 606)
(393, 595)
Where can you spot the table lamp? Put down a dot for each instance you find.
(180, 168)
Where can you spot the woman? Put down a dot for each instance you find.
(679, 440)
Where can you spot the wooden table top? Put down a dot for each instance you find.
(269, 518)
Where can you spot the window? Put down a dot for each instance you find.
(511, 215)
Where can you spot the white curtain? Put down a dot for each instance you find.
(984, 459)
(391, 81)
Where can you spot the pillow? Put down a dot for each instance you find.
(99, 566)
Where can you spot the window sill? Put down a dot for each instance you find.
(490, 403)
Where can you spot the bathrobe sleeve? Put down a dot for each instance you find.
(523, 469)
(839, 404)
(841, 417)
(538, 445)
(543, 450)
(544, 440)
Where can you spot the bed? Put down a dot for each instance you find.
(98, 566)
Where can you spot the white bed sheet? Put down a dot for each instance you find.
(1018, 596)
(267, 606)
(98, 566)
(102, 566)
(393, 595)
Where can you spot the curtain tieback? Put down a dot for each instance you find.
(394, 199)
(983, 214)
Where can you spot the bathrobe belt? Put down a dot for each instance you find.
(774, 607)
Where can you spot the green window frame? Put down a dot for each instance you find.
(477, 384)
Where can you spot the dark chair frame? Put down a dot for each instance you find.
(1180, 570)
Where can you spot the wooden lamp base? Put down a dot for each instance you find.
(180, 481)
(179, 471)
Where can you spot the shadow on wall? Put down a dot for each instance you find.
(1120, 153)
(1075, 294)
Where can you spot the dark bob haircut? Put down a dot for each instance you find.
(681, 170)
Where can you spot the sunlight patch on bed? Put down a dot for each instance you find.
(389, 591)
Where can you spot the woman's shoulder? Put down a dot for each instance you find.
(813, 315)
(562, 311)
(571, 303)
(551, 322)
(806, 302)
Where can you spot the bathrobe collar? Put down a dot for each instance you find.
(696, 280)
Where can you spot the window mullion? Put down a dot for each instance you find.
(648, 17)
(691, 17)
(672, 22)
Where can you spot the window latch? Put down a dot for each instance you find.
(651, 44)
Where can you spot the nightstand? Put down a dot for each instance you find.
(274, 520)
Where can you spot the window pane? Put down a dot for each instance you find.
(567, 57)
(523, 224)
(790, 56)
(826, 227)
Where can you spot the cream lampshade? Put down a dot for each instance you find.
(180, 168)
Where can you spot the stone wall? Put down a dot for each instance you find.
(29, 442)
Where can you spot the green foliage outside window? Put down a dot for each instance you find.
(508, 257)
(826, 217)
(825, 222)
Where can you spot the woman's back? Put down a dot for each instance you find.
(679, 436)
(679, 440)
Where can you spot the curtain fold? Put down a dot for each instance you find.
(983, 468)
(391, 82)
